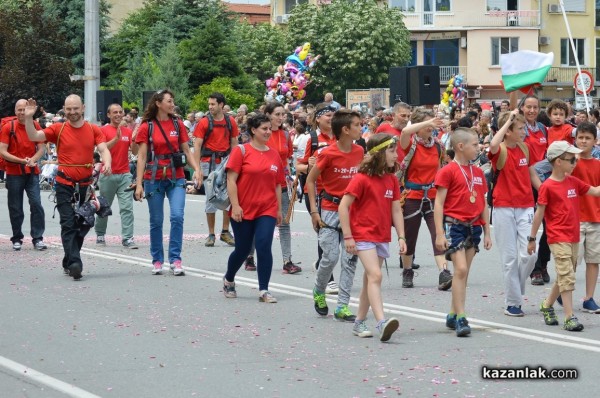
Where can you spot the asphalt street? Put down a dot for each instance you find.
(122, 332)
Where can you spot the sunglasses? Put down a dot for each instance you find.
(572, 160)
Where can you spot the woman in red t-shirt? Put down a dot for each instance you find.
(161, 176)
(254, 178)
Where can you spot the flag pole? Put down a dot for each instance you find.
(585, 97)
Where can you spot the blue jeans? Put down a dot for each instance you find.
(17, 185)
(155, 196)
(261, 229)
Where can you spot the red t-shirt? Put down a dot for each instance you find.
(537, 144)
(371, 211)
(220, 139)
(564, 132)
(161, 147)
(389, 129)
(20, 146)
(513, 188)
(458, 204)
(323, 141)
(75, 147)
(561, 199)
(422, 169)
(120, 151)
(337, 169)
(588, 171)
(259, 174)
(282, 145)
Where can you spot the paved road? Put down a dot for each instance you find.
(121, 332)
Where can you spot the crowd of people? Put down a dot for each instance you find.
(516, 167)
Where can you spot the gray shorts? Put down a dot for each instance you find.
(383, 249)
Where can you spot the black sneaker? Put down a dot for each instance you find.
(249, 264)
(445, 280)
(537, 279)
(545, 276)
(291, 268)
(75, 271)
(451, 321)
(407, 278)
(320, 303)
(549, 315)
(572, 324)
(462, 327)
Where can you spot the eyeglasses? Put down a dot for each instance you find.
(572, 160)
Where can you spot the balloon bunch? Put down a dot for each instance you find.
(454, 95)
(288, 83)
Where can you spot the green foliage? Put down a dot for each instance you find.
(169, 73)
(139, 67)
(223, 85)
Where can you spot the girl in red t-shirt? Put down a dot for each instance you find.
(254, 179)
(374, 191)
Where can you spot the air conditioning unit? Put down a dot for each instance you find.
(463, 42)
(553, 8)
(544, 40)
(472, 93)
(282, 18)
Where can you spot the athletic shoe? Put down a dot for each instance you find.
(451, 321)
(227, 238)
(249, 264)
(320, 303)
(360, 329)
(387, 328)
(39, 245)
(537, 279)
(75, 271)
(130, 243)
(229, 289)
(549, 315)
(17, 245)
(177, 268)
(513, 310)
(572, 324)
(344, 314)
(545, 276)
(590, 306)
(210, 241)
(462, 327)
(291, 268)
(407, 278)
(100, 240)
(559, 300)
(266, 297)
(332, 288)
(157, 268)
(445, 280)
(66, 271)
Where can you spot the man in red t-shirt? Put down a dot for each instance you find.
(75, 140)
(22, 175)
(118, 141)
(401, 118)
(210, 147)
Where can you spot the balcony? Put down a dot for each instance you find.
(561, 75)
(448, 72)
(469, 19)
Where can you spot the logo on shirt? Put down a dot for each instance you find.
(347, 172)
(173, 133)
(477, 180)
(274, 168)
(389, 194)
(523, 162)
(125, 138)
(543, 140)
(571, 193)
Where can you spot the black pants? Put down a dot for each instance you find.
(72, 233)
(544, 255)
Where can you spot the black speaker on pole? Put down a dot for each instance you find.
(104, 98)
(146, 100)
(399, 87)
(424, 87)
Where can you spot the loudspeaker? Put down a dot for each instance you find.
(399, 87)
(147, 97)
(424, 87)
(104, 98)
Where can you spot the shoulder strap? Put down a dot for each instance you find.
(314, 141)
(543, 128)
(58, 136)
(211, 125)
(502, 157)
(176, 123)
(242, 148)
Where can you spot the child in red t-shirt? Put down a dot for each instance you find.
(558, 203)
(460, 215)
(374, 191)
(558, 110)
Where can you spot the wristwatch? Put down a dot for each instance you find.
(531, 239)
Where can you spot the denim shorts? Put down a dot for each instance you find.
(462, 237)
(383, 249)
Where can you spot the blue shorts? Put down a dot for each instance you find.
(383, 249)
(462, 237)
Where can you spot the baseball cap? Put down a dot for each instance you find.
(558, 148)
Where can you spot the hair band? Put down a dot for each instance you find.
(383, 145)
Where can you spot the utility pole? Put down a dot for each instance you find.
(92, 58)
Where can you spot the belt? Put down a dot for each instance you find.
(334, 199)
(66, 177)
(452, 220)
(418, 187)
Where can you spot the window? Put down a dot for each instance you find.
(503, 45)
(567, 58)
(441, 52)
(413, 53)
(597, 12)
(574, 5)
(443, 5)
(403, 5)
(290, 4)
(502, 5)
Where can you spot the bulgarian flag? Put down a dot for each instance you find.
(523, 70)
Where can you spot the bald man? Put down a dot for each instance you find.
(22, 176)
(75, 140)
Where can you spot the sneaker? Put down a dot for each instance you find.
(545, 276)
(332, 288)
(129, 243)
(591, 306)
(320, 303)
(17, 245)
(227, 238)
(387, 328)
(100, 240)
(445, 280)
(572, 324)
(344, 314)
(266, 297)
(513, 310)
(75, 271)
(66, 271)
(407, 278)
(451, 321)
(291, 268)
(229, 289)
(559, 300)
(462, 327)
(39, 245)
(537, 279)
(360, 329)
(549, 315)
(157, 268)
(210, 241)
(177, 268)
(249, 264)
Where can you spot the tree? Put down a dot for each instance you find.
(223, 85)
(169, 73)
(359, 42)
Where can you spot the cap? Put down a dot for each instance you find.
(558, 148)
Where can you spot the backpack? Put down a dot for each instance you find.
(402, 172)
(215, 186)
(500, 165)
(211, 125)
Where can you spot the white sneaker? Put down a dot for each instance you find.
(17, 246)
(39, 245)
(332, 288)
(130, 243)
(177, 268)
(360, 329)
(157, 268)
(266, 297)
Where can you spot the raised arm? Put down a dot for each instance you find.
(33, 134)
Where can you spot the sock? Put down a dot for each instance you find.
(380, 323)
(452, 315)
(463, 315)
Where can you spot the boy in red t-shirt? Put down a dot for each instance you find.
(461, 215)
(336, 165)
(558, 110)
(558, 203)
